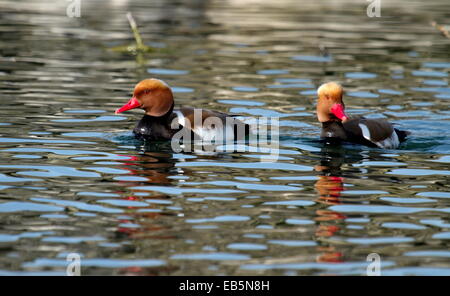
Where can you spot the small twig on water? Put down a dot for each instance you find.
(137, 36)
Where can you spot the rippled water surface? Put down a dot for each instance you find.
(73, 179)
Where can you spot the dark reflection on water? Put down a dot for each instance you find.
(73, 179)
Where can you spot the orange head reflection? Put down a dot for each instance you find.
(329, 186)
(148, 169)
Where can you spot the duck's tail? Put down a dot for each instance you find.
(402, 135)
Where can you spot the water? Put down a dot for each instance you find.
(73, 179)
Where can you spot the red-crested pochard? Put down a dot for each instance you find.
(161, 121)
(337, 125)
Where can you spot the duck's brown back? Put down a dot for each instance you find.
(374, 130)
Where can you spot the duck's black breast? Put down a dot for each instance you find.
(333, 129)
(154, 128)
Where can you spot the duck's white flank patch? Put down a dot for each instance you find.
(209, 132)
(365, 131)
(390, 142)
(206, 134)
(217, 132)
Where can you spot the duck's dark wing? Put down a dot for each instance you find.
(379, 132)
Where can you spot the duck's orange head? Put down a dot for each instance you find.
(330, 106)
(152, 95)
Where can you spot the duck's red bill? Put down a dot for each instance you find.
(132, 103)
(338, 111)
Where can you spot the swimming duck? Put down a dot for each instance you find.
(336, 125)
(162, 122)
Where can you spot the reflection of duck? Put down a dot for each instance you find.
(360, 130)
(329, 189)
(329, 186)
(161, 121)
(154, 168)
(330, 182)
(147, 168)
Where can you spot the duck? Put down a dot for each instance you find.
(338, 126)
(161, 121)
